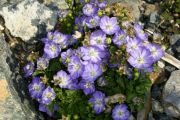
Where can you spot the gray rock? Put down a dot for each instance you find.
(154, 16)
(174, 39)
(56, 4)
(171, 95)
(14, 101)
(28, 19)
(156, 106)
(134, 4)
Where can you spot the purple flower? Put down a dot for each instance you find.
(65, 56)
(71, 40)
(139, 32)
(120, 112)
(87, 86)
(48, 96)
(92, 22)
(80, 51)
(119, 38)
(90, 9)
(98, 39)
(49, 37)
(109, 25)
(42, 63)
(36, 88)
(92, 72)
(51, 50)
(133, 44)
(46, 109)
(156, 51)
(28, 69)
(102, 4)
(80, 21)
(74, 85)
(62, 79)
(75, 67)
(61, 39)
(141, 58)
(98, 102)
(93, 54)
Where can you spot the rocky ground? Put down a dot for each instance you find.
(24, 22)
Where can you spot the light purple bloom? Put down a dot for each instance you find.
(80, 20)
(61, 39)
(98, 39)
(48, 96)
(80, 51)
(65, 56)
(51, 50)
(75, 67)
(102, 4)
(140, 58)
(109, 25)
(92, 72)
(98, 102)
(42, 63)
(90, 9)
(139, 32)
(156, 51)
(49, 37)
(119, 38)
(87, 86)
(74, 85)
(71, 40)
(28, 69)
(46, 109)
(62, 79)
(132, 44)
(93, 54)
(93, 21)
(36, 88)
(120, 112)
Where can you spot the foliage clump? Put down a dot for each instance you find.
(94, 67)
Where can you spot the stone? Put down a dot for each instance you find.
(174, 38)
(156, 106)
(171, 95)
(4, 90)
(56, 4)
(28, 19)
(15, 102)
(133, 4)
(154, 17)
(149, 8)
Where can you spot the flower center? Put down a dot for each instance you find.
(52, 48)
(120, 113)
(98, 41)
(77, 67)
(121, 37)
(89, 9)
(93, 53)
(92, 73)
(140, 60)
(36, 87)
(88, 85)
(109, 27)
(92, 21)
(98, 102)
(48, 95)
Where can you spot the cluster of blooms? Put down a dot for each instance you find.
(85, 64)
